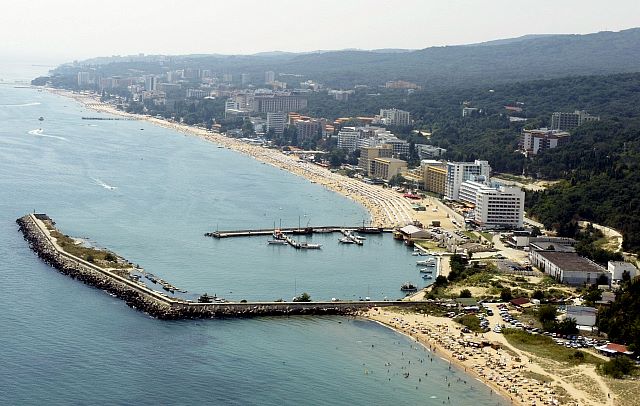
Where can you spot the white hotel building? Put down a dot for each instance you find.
(494, 207)
(458, 172)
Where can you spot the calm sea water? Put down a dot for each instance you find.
(150, 194)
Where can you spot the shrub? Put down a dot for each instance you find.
(617, 367)
(465, 293)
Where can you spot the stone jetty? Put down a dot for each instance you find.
(37, 229)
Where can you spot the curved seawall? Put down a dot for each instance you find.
(157, 304)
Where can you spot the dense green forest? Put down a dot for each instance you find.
(517, 59)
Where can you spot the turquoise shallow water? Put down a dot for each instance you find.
(150, 195)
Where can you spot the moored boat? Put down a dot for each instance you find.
(408, 287)
(277, 242)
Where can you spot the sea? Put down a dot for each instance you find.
(150, 194)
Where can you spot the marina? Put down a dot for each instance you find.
(39, 231)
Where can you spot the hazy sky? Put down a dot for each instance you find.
(62, 30)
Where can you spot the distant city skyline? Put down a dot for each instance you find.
(65, 30)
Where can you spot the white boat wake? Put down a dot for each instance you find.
(21, 105)
(39, 132)
(104, 185)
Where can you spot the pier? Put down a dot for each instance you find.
(350, 237)
(294, 230)
(37, 229)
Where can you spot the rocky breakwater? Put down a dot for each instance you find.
(134, 296)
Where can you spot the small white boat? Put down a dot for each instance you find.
(360, 238)
(427, 276)
(426, 270)
(346, 240)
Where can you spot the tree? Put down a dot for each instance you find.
(535, 231)
(441, 280)
(547, 314)
(592, 295)
(602, 280)
(465, 293)
(397, 180)
(303, 297)
(505, 295)
(538, 294)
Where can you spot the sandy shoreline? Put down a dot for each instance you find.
(511, 373)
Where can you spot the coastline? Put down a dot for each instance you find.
(515, 375)
(387, 208)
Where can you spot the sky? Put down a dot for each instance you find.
(64, 30)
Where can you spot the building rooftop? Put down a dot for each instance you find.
(390, 160)
(570, 261)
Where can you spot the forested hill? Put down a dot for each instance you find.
(518, 59)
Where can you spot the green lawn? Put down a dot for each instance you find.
(544, 347)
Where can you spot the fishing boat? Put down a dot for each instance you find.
(278, 234)
(408, 287)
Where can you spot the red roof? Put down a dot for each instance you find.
(617, 347)
(519, 301)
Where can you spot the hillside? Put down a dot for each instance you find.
(508, 60)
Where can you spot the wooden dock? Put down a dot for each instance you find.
(284, 230)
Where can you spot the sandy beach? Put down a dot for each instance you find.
(518, 376)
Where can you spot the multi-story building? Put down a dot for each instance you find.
(368, 154)
(269, 77)
(532, 141)
(245, 79)
(276, 121)
(308, 129)
(150, 83)
(227, 77)
(197, 93)
(348, 139)
(271, 103)
(469, 111)
(426, 151)
(502, 207)
(434, 175)
(568, 121)
(84, 78)
(401, 84)
(469, 189)
(394, 117)
(387, 168)
(458, 172)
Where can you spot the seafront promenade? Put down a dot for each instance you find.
(37, 230)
